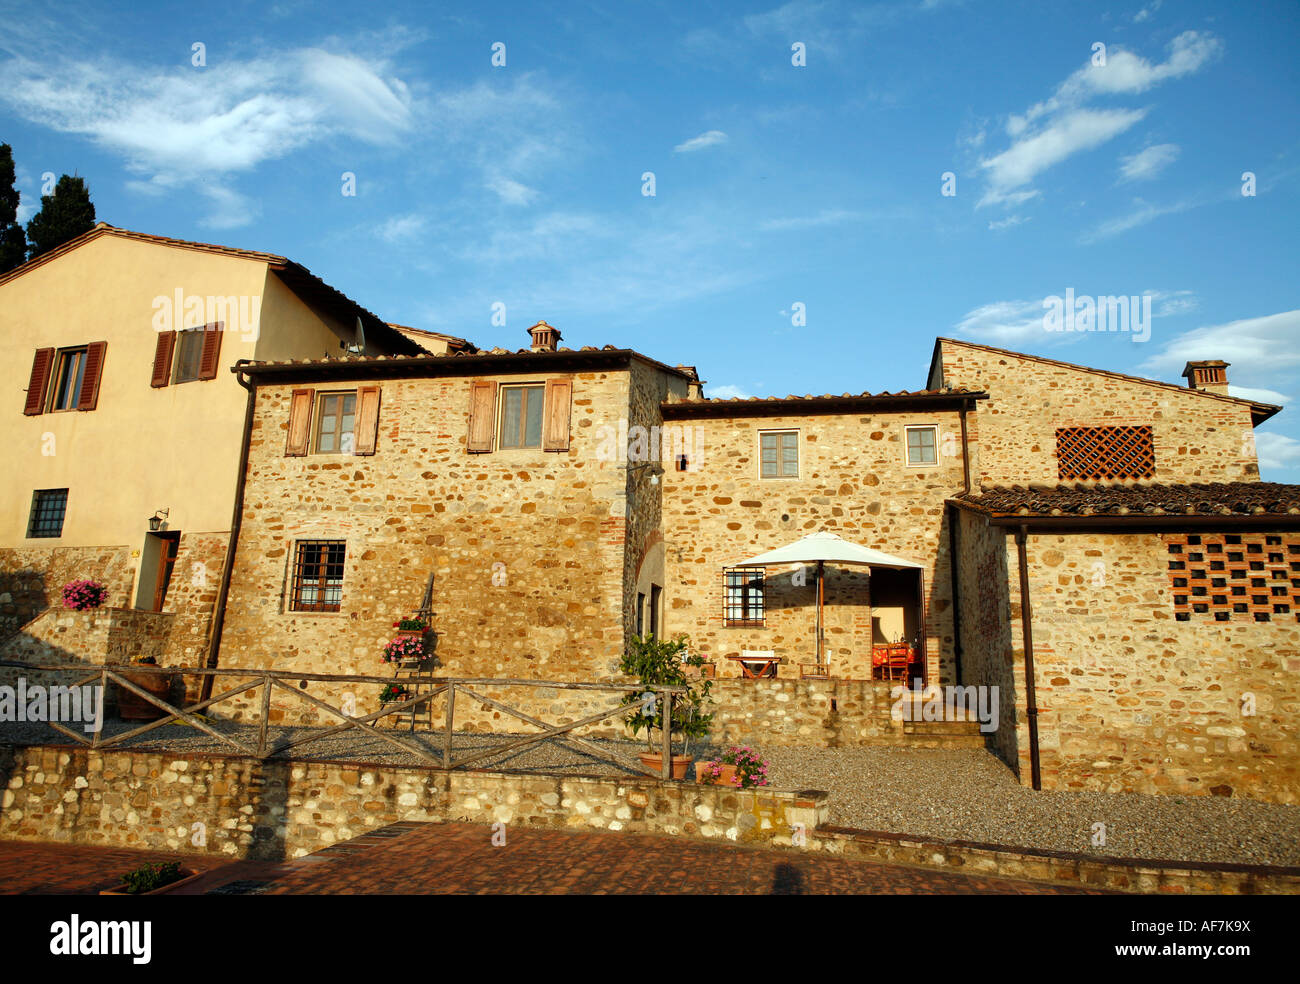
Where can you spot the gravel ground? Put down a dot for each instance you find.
(960, 794)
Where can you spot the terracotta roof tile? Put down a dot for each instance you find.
(1141, 499)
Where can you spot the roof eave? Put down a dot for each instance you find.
(781, 407)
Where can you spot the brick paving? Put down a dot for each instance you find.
(459, 858)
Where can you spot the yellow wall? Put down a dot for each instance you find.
(141, 449)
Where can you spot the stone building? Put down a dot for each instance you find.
(1097, 546)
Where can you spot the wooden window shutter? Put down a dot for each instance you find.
(90, 381)
(162, 359)
(482, 416)
(40, 380)
(367, 426)
(209, 357)
(555, 427)
(300, 407)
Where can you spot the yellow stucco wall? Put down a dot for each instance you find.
(141, 449)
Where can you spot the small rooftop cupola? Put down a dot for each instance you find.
(1209, 375)
(545, 338)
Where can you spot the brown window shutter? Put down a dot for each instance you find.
(367, 426)
(40, 380)
(162, 359)
(482, 416)
(209, 357)
(555, 426)
(90, 381)
(300, 407)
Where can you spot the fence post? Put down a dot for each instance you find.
(666, 735)
(451, 710)
(103, 700)
(266, 714)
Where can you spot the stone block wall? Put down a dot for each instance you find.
(853, 481)
(271, 810)
(1198, 437)
(1134, 699)
(32, 579)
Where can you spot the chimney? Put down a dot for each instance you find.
(1208, 375)
(695, 386)
(545, 338)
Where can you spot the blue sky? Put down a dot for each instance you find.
(776, 185)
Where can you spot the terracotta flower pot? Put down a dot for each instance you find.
(187, 875)
(654, 761)
(131, 707)
(726, 775)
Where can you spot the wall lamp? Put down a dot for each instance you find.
(656, 469)
(156, 520)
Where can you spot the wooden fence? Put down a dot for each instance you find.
(272, 680)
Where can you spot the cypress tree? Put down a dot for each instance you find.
(64, 215)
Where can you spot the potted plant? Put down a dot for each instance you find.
(83, 595)
(738, 766)
(133, 707)
(394, 692)
(411, 626)
(406, 649)
(659, 662)
(153, 879)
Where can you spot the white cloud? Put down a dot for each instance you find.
(1053, 130)
(1146, 164)
(1141, 213)
(822, 218)
(1004, 323)
(1276, 451)
(710, 138)
(1260, 349)
(400, 228)
(1008, 222)
(1170, 303)
(512, 192)
(727, 392)
(1024, 160)
(1147, 12)
(1259, 395)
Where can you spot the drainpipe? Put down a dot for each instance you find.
(954, 591)
(965, 456)
(1027, 628)
(236, 521)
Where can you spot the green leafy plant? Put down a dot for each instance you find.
(751, 768)
(411, 624)
(145, 661)
(661, 662)
(150, 876)
(394, 692)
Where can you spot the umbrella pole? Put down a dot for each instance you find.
(821, 598)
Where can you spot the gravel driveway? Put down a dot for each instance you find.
(961, 794)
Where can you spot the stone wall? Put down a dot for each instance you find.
(1198, 437)
(1133, 699)
(273, 810)
(527, 547)
(987, 582)
(32, 579)
(853, 481)
(819, 713)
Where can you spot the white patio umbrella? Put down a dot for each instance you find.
(821, 549)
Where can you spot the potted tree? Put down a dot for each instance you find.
(131, 706)
(660, 662)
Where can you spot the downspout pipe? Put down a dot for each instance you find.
(965, 453)
(955, 589)
(236, 522)
(1027, 629)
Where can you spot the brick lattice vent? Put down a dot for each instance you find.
(1235, 577)
(1096, 454)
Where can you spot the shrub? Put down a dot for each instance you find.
(81, 595)
(150, 876)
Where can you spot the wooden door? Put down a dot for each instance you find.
(166, 561)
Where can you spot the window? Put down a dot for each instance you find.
(655, 591)
(779, 453)
(48, 507)
(743, 596)
(922, 445)
(640, 614)
(189, 351)
(69, 375)
(318, 576)
(1086, 454)
(521, 416)
(336, 422)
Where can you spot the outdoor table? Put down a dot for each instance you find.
(765, 664)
